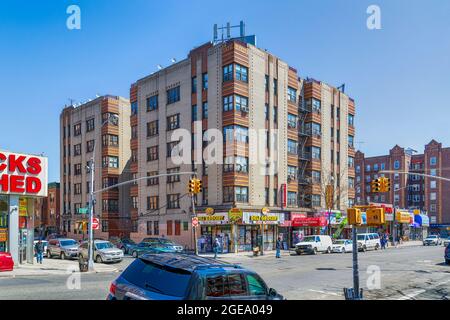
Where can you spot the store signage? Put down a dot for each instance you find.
(309, 221)
(3, 234)
(216, 218)
(235, 215)
(23, 207)
(265, 210)
(283, 195)
(209, 211)
(258, 218)
(403, 217)
(23, 174)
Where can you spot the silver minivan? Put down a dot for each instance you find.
(63, 248)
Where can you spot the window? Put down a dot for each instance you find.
(351, 162)
(235, 133)
(173, 201)
(266, 83)
(241, 103)
(275, 87)
(205, 81)
(292, 173)
(173, 95)
(433, 196)
(292, 94)
(152, 103)
(315, 200)
(351, 141)
(152, 181)
(351, 183)
(77, 169)
(241, 194)
(315, 152)
(205, 110)
(228, 72)
(316, 105)
(149, 228)
(134, 202)
(152, 128)
(110, 205)
(175, 178)
(433, 172)
(266, 112)
(110, 140)
(396, 164)
(194, 113)
(275, 197)
(292, 121)
(77, 150)
(292, 146)
(156, 228)
(235, 164)
(433, 161)
(351, 120)
(205, 196)
(152, 203)
(109, 182)
(241, 73)
(152, 153)
(134, 155)
(90, 125)
(432, 208)
(358, 169)
(113, 118)
(228, 103)
(77, 129)
(368, 168)
(225, 285)
(110, 162)
(375, 167)
(177, 227)
(134, 108)
(292, 199)
(194, 85)
(134, 132)
(382, 166)
(90, 146)
(275, 114)
(172, 147)
(316, 177)
(316, 129)
(77, 188)
(173, 122)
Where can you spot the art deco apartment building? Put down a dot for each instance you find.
(47, 211)
(409, 191)
(235, 87)
(83, 129)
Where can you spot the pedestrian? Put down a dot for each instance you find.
(216, 245)
(383, 242)
(39, 250)
(278, 248)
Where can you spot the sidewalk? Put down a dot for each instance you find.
(53, 267)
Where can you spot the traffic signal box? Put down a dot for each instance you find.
(354, 216)
(375, 216)
(386, 184)
(376, 185)
(195, 186)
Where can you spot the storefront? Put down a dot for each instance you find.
(305, 226)
(403, 220)
(212, 225)
(23, 178)
(256, 224)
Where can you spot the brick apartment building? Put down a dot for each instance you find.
(47, 211)
(235, 87)
(408, 191)
(104, 123)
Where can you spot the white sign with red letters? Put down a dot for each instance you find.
(23, 174)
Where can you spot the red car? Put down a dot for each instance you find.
(6, 262)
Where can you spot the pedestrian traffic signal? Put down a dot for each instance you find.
(375, 216)
(385, 185)
(376, 185)
(354, 216)
(195, 186)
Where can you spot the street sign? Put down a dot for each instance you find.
(83, 210)
(194, 221)
(95, 224)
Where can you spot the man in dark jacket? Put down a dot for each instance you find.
(278, 248)
(39, 250)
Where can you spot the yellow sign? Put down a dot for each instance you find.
(211, 218)
(235, 215)
(23, 207)
(209, 211)
(263, 218)
(403, 217)
(265, 210)
(3, 235)
(416, 212)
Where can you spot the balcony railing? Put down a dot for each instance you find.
(303, 155)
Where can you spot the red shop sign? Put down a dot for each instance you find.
(309, 222)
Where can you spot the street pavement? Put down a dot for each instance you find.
(407, 272)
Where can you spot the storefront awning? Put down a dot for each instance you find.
(422, 220)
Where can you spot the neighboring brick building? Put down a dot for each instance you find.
(47, 211)
(81, 128)
(235, 87)
(407, 190)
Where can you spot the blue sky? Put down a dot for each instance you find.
(399, 75)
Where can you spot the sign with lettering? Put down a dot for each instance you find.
(258, 218)
(216, 218)
(3, 234)
(23, 174)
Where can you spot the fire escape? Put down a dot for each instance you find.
(304, 157)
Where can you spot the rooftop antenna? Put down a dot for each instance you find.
(228, 28)
(159, 67)
(173, 60)
(215, 35)
(242, 28)
(71, 101)
(342, 88)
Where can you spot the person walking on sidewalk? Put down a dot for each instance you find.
(39, 250)
(278, 248)
(216, 245)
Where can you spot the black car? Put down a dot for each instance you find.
(169, 276)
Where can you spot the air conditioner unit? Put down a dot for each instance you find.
(291, 177)
(244, 109)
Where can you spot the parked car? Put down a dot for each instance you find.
(54, 236)
(446, 242)
(434, 240)
(6, 262)
(170, 276)
(63, 248)
(149, 247)
(124, 244)
(166, 242)
(314, 244)
(367, 241)
(104, 251)
(342, 246)
(447, 255)
(45, 243)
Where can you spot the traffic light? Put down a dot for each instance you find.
(195, 186)
(376, 185)
(386, 184)
(354, 216)
(375, 216)
(192, 185)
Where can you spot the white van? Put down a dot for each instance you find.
(368, 241)
(314, 244)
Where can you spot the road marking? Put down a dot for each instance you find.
(323, 292)
(411, 295)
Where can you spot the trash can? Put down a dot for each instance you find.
(83, 264)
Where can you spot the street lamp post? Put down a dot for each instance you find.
(92, 201)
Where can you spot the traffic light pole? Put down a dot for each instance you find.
(355, 264)
(193, 227)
